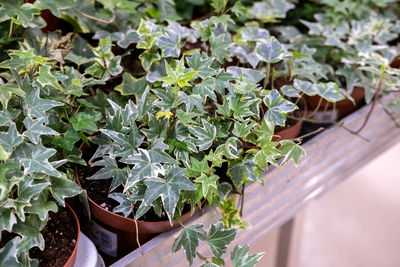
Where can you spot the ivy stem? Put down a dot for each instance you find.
(267, 73)
(316, 109)
(201, 257)
(11, 28)
(299, 139)
(242, 201)
(96, 19)
(176, 96)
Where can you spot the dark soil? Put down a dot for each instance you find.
(60, 236)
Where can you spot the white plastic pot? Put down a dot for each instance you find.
(87, 254)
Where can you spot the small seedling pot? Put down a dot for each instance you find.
(115, 235)
(343, 107)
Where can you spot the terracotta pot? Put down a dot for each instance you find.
(396, 62)
(72, 258)
(343, 107)
(121, 231)
(293, 131)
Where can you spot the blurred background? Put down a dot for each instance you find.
(357, 224)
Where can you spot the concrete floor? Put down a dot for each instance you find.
(357, 224)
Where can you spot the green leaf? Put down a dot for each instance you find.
(8, 253)
(216, 159)
(230, 214)
(41, 207)
(271, 51)
(11, 139)
(179, 76)
(130, 37)
(110, 170)
(168, 190)
(8, 116)
(4, 155)
(245, 172)
(242, 129)
(201, 63)
(132, 86)
(27, 190)
(188, 240)
(206, 89)
(291, 151)
(169, 44)
(218, 4)
(35, 158)
(30, 232)
(306, 87)
(278, 107)
(7, 220)
(35, 128)
(84, 122)
(205, 135)
(20, 14)
(147, 164)
(6, 92)
(267, 154)
(68, 140)
(242, 107)
(62, 187)
(208, 185)
(54, 5)
(190, 101)
(218, 238)
(220, 47)
(46, 78)
(329, 91)
(240, 257)
(127, 143)
(238, 9)
(37, 106)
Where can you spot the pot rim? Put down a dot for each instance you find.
(73, 255)
(110, 213)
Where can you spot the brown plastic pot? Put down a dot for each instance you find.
(343, 107)
(396, 62)
(124, 229)
(293, 131)
(72, 258)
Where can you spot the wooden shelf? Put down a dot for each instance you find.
(332, 156)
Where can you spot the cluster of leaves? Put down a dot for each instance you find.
(31, 180)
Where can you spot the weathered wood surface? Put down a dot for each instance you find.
(331, 157)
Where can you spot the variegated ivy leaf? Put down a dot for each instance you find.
(241, 258)
(7, 220)
(8, 116)
(188, 240)
(271, 51)
(148, 163)
(41, 206)
(244, 172)
(129, 37)
(246, 54)
(190, 101)
(35, 158)
(6, 92)
(36, 106)
(329, 91)
(35, 128)
(250, 75)
(126, 201)
(218, 238)
(218, 4)
(55, 5)
(291, 151)
(278, 107)
(166, 98)
(168, 189)
(220, 47)
(268, 154)
(10, 139)
(270, 10)
(305, 87)
(158, 128)
(46, 78)
(27, 190)
(169, 44)
(62, 188)
(241, 106)
(290, 91)
(201, 63)
(205, 135)
(20, 12)
(208, 185)
(128, 143)
(206, 89)
(132, 86)
(8, 253)
(148, 58)
(30, 232)
(180, 76)
(110, 170)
